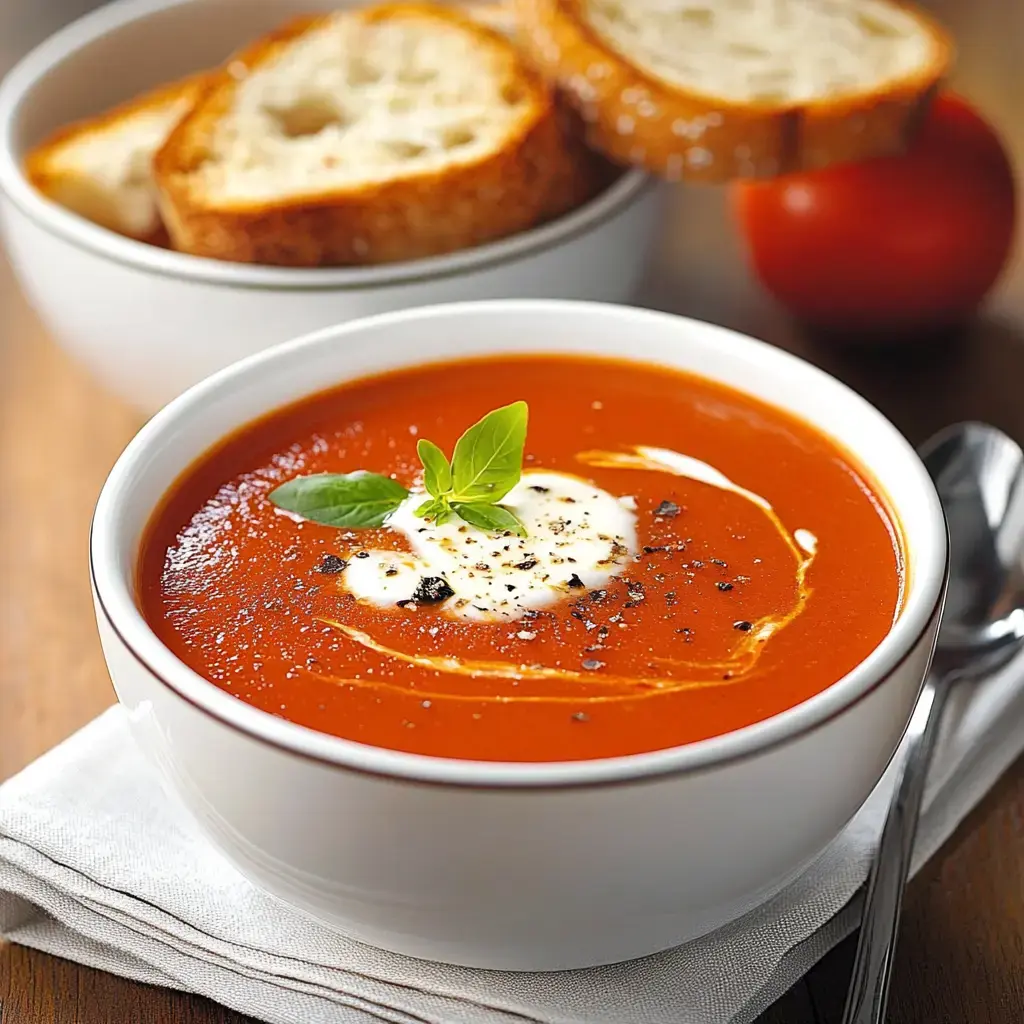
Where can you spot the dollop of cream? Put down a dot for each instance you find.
(578, 536)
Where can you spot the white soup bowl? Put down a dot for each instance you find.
(501, 865)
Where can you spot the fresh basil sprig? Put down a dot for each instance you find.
(486, 464)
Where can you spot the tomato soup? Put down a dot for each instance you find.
(665, 560)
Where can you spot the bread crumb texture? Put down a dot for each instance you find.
(368, 136)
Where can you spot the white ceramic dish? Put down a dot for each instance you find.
(539, 866)
(149, 322)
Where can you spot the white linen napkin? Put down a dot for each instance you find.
(97, 866)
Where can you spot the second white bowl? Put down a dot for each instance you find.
(149, 323)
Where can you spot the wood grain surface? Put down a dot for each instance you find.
(961, 953)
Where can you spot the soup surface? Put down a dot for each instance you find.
(694, 561)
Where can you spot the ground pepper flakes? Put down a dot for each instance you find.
(331, 564)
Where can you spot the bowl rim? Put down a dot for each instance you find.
(116, 604)
(15, 88)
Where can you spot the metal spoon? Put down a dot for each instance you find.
(979, 474)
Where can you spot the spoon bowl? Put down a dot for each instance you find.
(979, 474)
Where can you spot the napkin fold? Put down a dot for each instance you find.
(96, 865)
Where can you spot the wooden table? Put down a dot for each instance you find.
(961, 955)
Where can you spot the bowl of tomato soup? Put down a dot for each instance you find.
(525, 635)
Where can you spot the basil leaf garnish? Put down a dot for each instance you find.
(437, 510)
(488, 458)
(429, 509)
(437, 474)
(493, 518)
(356, 500)
(486, 464)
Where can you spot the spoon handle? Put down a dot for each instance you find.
(872, 968)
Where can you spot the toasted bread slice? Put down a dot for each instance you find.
(495, 14)
(711, 90)
(101, 167)
(373, 135)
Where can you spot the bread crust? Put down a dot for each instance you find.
(541, 171)
(495, 14)
(72, 187)
(636, 118)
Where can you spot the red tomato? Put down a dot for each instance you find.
(900, 243)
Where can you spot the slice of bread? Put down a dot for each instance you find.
(710, 90)
(373, 135)
(101, 168)
(495, 14)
